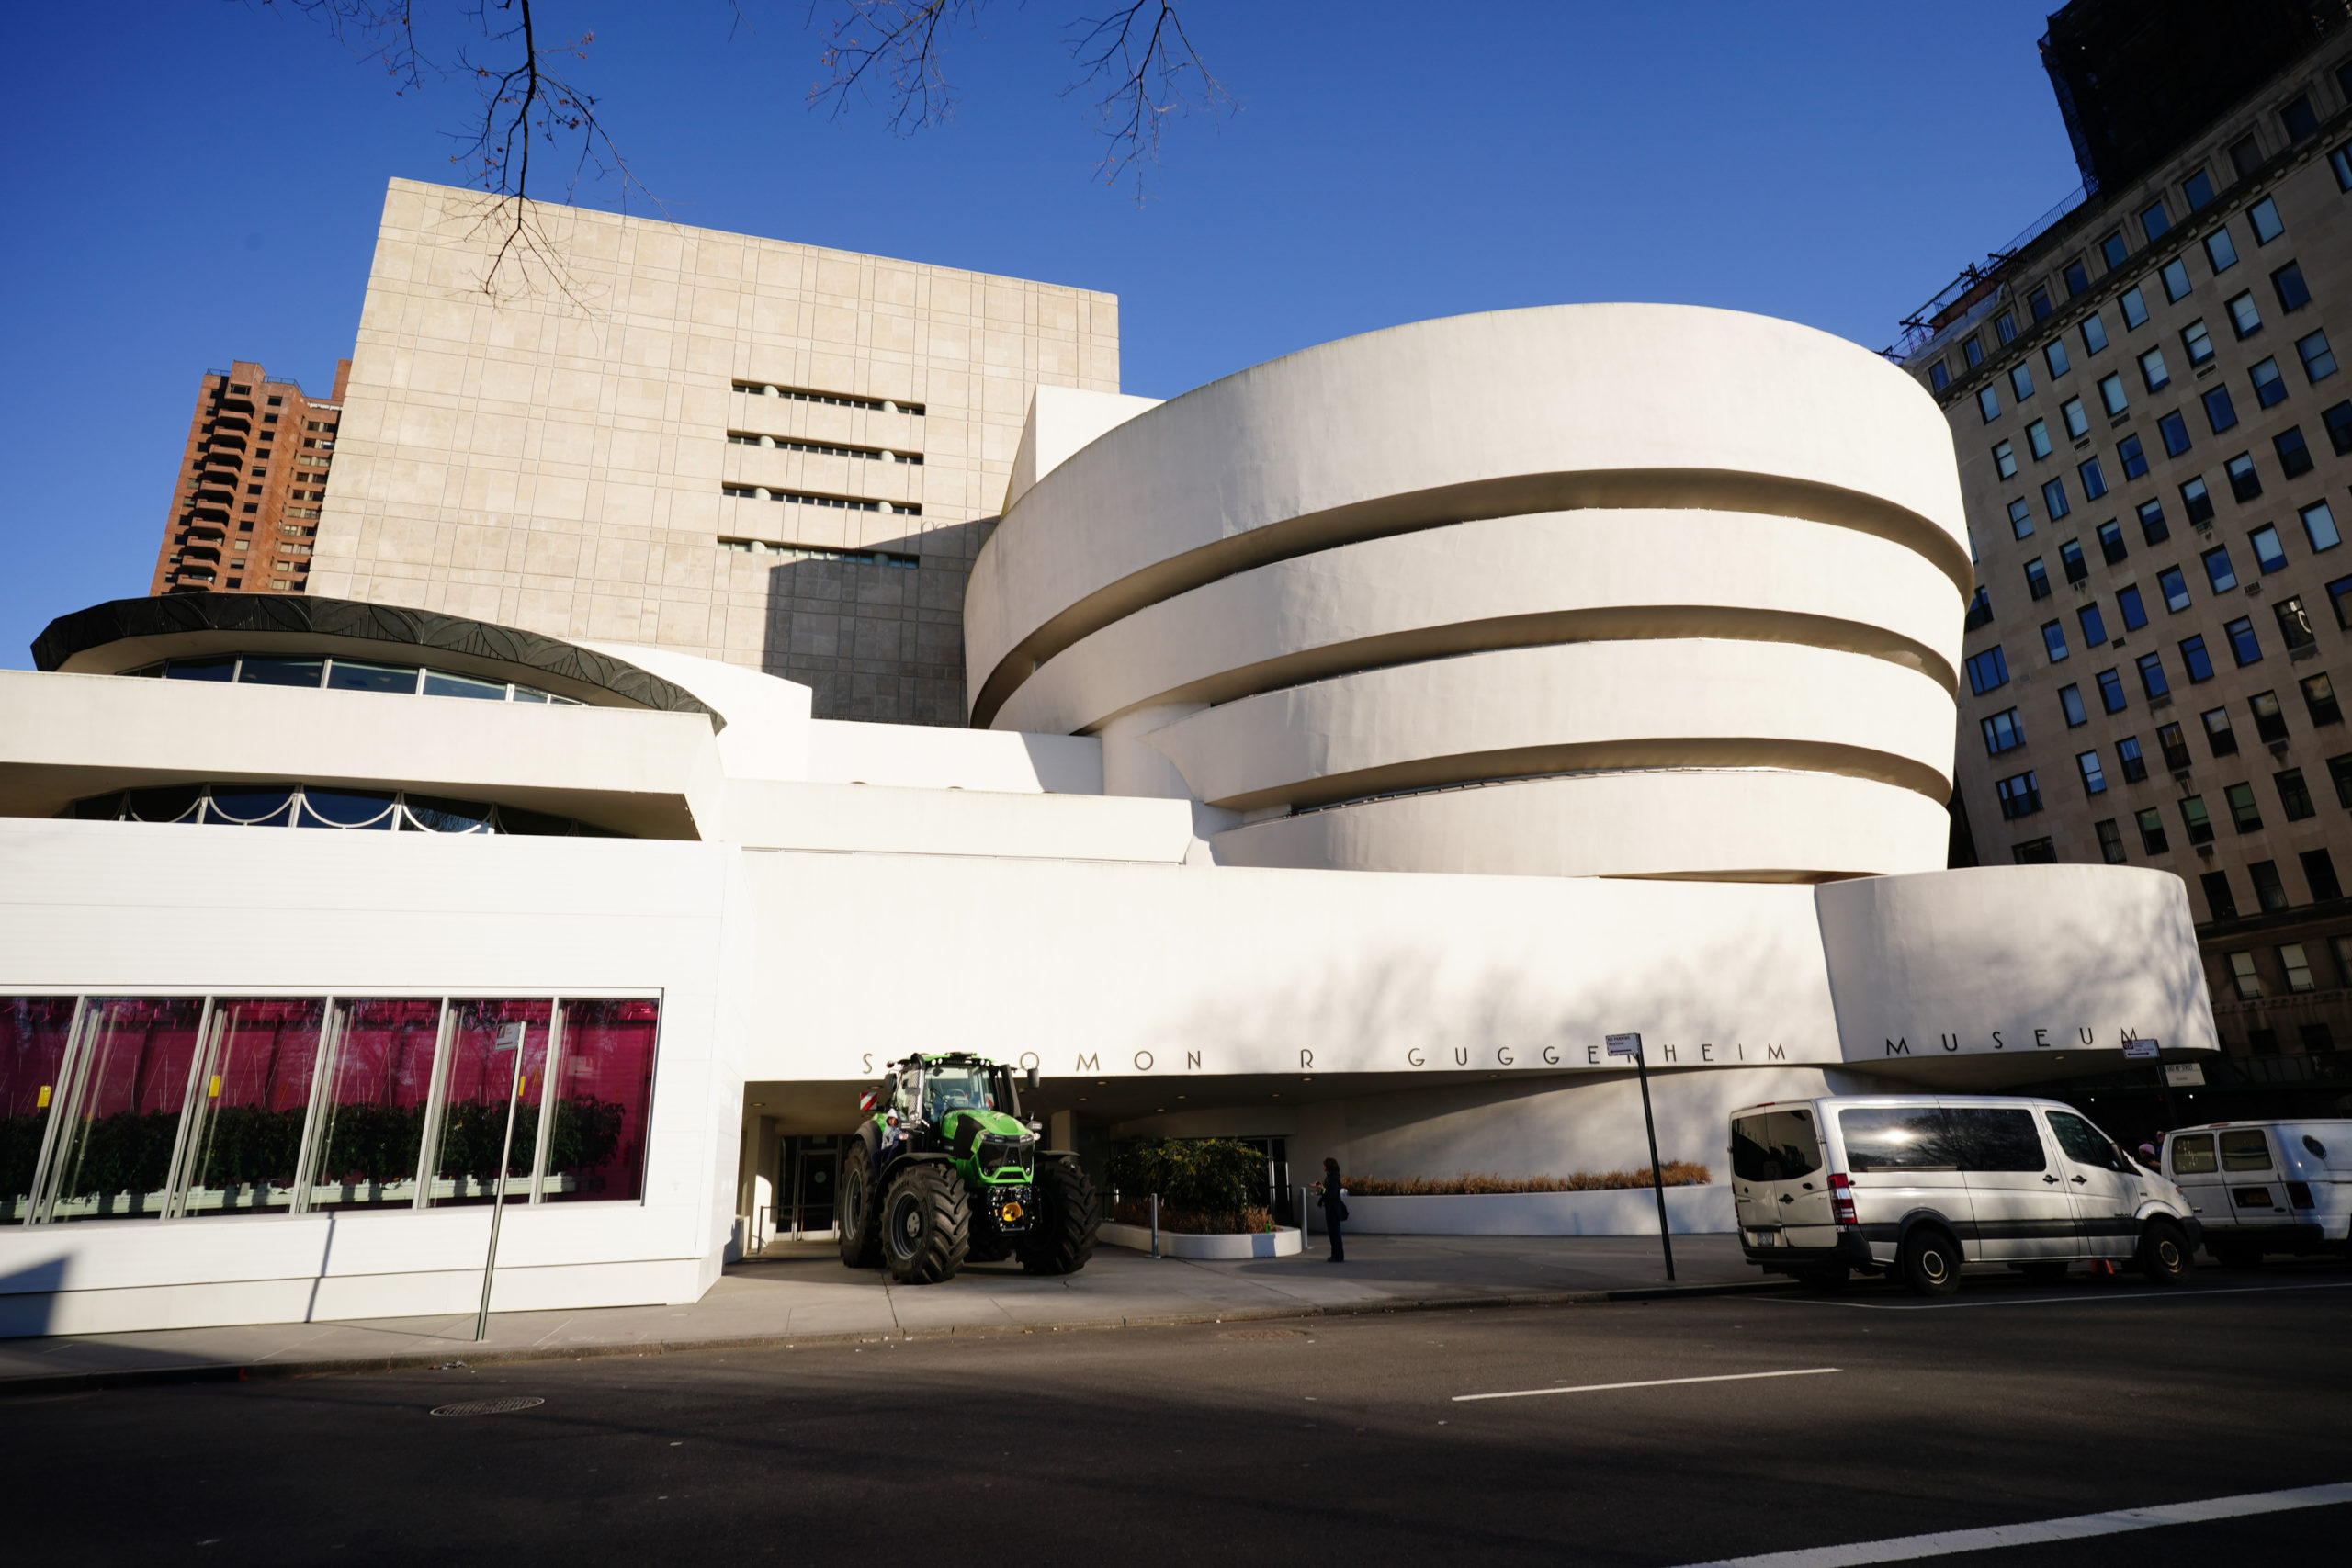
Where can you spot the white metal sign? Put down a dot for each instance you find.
(1624, 1045)
(2140, 1050)
(2185, 1075)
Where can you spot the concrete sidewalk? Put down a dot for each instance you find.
(804, 1295)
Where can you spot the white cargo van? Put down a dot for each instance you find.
(2262, 1187)
(1917, 1185)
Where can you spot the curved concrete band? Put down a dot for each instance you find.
(1669, 560)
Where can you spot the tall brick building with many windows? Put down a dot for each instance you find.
(2155, 436)
(252, 478)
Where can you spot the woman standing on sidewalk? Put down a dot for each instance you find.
(1335, 1208)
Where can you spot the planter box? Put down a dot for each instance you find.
(1692, 1210)
(1281, 1242)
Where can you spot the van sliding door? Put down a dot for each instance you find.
(2024, 1210)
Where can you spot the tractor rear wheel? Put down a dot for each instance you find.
(926, 1224)
(860, 1216)
(1063, 1237)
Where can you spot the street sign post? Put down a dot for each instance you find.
(1631, 1045)
(2152, 1051)
(509, 1038)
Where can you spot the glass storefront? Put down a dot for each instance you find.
(596, 1143)
(33, 1032)
(178, 1108)
(253, 1096)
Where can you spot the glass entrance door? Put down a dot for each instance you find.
(808, 1168)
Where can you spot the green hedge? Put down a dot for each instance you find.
(1214, 1176)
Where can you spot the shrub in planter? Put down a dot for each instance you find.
(1675, 1172)
(1205, 1179)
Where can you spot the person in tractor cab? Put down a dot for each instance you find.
(957, 1088)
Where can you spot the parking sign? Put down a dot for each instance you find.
(1625, 1045)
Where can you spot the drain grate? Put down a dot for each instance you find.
(1263, 1334)
(490, 1406)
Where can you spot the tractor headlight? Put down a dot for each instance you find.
(1012, 1208)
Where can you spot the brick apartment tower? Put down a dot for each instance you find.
(2154, 425)
(245, 504)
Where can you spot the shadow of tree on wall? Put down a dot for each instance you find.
(874, 641)
(2059, 948)
(1480, 1032)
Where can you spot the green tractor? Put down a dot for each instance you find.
(943, 1170)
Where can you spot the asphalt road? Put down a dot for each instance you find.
(1337, 1440)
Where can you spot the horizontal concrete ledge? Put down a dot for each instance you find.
(456, 1353)
(1282, 1241)
(1618, 1210)
(1279, 539)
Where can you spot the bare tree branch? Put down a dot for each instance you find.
(1139, 56)
(1152, 72)
(899, 39)
(527, 106)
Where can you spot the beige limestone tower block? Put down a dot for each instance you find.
(553, 452)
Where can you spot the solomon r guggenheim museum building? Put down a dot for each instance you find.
(749, 663)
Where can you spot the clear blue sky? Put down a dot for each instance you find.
(199, 180)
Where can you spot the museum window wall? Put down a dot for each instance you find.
(189, 1106)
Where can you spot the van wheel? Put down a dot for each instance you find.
(2164, 1257)
(1929, 1262)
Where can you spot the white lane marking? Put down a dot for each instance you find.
(1946, 1543)
(1652, 1382)
(2147, 1295)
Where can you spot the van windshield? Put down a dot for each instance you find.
(1775, 1145)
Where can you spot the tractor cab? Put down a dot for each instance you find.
(918, 1098)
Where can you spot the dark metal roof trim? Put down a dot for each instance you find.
(297, 614)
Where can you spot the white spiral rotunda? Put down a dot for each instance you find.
(1614, 590)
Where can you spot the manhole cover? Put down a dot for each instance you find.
(1263, 1333)
(490, 1406)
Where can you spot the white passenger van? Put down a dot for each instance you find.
(2262, 1187)
(1916, 1185)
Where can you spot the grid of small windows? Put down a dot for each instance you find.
(819, 552)
(838, 400)
(806, 498)
(2271, 545)
(782, 444)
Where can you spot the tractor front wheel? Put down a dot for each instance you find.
(1063, 1237)
(860, 1217)
(926, 1224)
